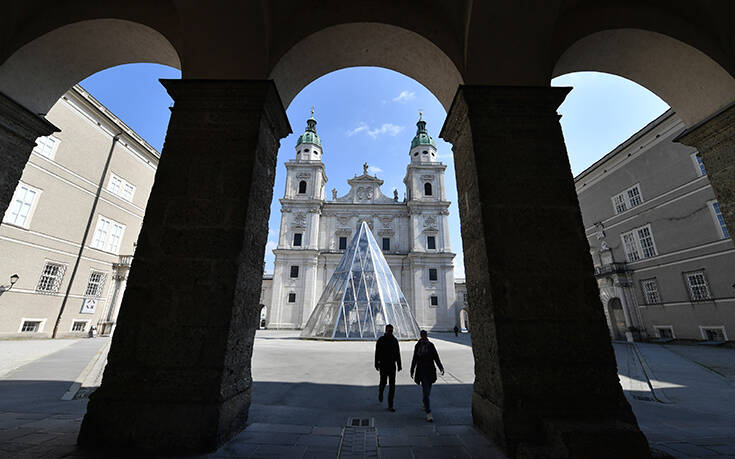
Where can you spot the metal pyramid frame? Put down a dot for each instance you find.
(361, 297)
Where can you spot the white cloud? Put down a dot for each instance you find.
(358, 129)
(404, 97)
(269, 247)
(374, 169)
(386, 128)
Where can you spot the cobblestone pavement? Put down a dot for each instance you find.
(305, 391)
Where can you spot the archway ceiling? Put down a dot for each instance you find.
(488, 42)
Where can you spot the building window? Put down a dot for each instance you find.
(698, 164)
(434, 301)
(639, 244)
(697, 284)
(386, 244)
(342, 243)
(716, 334)
(627, 199)
(294, 272)
(291, 297)
(650, 291)
(95, 284)
(719, 219)
(46, 146)
(664, 331)
(297, 239)
(79, 326)
(427, 189)
(431, 242)
(302, 187)
(19, 210)
(432, 274)
(51, 277)
(121, 187)
(108, 235)
(31, 326)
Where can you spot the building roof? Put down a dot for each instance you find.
(647, 128)
(133, 136)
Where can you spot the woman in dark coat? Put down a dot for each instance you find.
(423, 371)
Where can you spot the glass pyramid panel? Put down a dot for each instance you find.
(362, 297)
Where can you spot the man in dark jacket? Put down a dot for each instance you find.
(423, 371)
(387, 355)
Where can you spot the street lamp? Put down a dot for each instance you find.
(13, 279)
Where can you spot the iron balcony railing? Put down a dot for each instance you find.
(610, 268)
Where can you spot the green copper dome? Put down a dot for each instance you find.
(422, 137)
(310, 135)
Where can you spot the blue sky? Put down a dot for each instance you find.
(368, 114)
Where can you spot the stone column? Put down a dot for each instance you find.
(546, 383)
(19, 130)
(178, 373)
(714, 139)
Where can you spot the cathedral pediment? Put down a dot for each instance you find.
(365, 189)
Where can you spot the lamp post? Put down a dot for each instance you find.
(13, 279)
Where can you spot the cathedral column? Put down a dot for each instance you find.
(545, 374)
(178, 374)
(19, 130)
(714, 139)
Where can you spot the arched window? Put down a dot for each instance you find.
(427, 189)
(302, 187)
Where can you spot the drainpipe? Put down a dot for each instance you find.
(86, 233)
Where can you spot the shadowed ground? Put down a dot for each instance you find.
(304, 391)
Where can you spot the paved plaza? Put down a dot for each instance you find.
(305, 392)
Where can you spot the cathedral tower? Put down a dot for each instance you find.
(294, 275)
(430, 256)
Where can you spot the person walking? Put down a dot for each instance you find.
(456, 330)
(423, 371)
(387, 360)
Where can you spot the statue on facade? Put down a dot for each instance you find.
(395, 194)
(365, 168)
(334, 194)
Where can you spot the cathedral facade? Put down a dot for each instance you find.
(315, 229)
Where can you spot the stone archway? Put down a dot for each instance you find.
(506, 137)
(618, 326)
(671, 69)
(262, 323)
(464, 320)
(35, 76)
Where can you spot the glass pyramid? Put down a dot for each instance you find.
(361, 297)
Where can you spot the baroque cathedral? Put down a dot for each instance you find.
(315, 231)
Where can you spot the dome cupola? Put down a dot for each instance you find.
(309, 145)
(310, 135)
(422, 137)
(423, 148)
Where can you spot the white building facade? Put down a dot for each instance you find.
(315, 231)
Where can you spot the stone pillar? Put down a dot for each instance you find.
(714, 139)
(19, 130)
(546, 382)
(178, 373)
